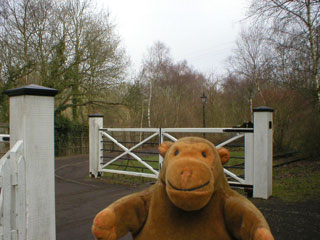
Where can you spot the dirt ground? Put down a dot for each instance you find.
(79, 198)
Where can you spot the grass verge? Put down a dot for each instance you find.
(299, 181)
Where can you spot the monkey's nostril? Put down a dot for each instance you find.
(186, 173)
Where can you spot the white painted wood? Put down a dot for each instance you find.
(1, 204)
(230, 140)
(262, 155)
(204, 130)
(160, 157)
(10, 192)
(14, 234)
(137, 174)
(235, 177)
(7, 204)
(165, 133)
(95, 145)
(194, 130)
(32, 119)
(177, 130)
(3, 160)
(258, 150)
(232, 175)
(129, 151)
(130, 129)
(21, 203)
(239, 184)
(15, 152)
(169, 136)
(100, 151)
(248, 158)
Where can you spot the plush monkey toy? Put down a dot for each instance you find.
(191, 200)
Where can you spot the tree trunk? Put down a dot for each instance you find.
(149, 105)
(314, 53)
(141, 121)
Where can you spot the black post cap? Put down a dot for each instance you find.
(95, 115)
(263, 109)
(32, 89)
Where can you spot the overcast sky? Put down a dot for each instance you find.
(203, 32)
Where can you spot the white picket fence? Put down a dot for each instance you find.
(13, 194)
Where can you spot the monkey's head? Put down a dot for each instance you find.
(192, 171)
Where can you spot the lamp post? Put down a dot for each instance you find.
(204, 100)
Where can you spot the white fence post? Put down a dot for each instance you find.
(160, 142)
(263, 149)
(249, 158)
(7, 199)
(95, 144)
(32, 120)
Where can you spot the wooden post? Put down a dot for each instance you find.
(32, 120)
(249, 158)
(263, 150)
(160, 142)
(95, 144)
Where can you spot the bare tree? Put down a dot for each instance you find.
(153, 70)
(250, 61)
(171, 91)
(297, 20)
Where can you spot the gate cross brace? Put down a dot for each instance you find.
(128, 151)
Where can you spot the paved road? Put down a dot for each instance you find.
(79, 199)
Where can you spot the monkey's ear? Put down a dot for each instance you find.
(224, 155)
(164, 147)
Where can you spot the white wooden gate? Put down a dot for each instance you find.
(102, 167)
(239, 133)
(13, 194)
(167, 133)
(257, 153)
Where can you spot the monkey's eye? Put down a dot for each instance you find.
(204, 154)
(176, 152)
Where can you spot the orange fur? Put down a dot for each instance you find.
(190, 200)
(224, 155)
